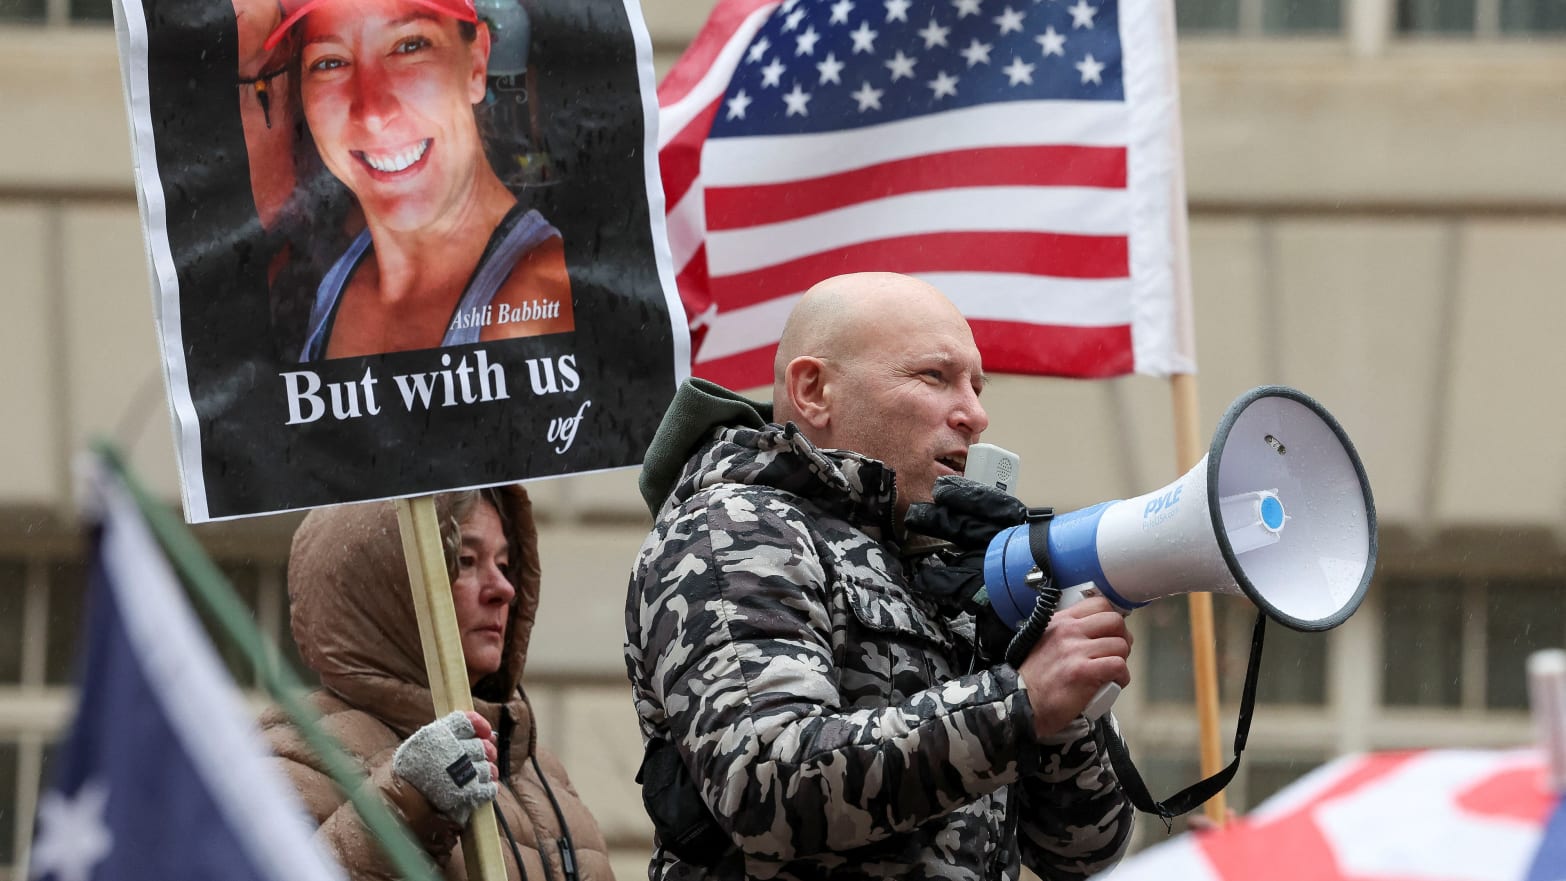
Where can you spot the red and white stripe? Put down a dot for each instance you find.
(1021, 212)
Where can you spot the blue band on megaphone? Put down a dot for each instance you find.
(1073, 553)
(1073, 547)
(1073, 560)
(1007, 561)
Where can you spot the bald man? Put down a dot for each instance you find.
(808, 712)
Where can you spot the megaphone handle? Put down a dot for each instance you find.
(1106, 696)
(1102, 701)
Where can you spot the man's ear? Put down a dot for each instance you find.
(809, 393)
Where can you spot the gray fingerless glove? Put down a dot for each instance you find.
(445, 761)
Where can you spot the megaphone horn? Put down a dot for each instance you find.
(1279, 510)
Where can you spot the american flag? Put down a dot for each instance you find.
(1021, 155)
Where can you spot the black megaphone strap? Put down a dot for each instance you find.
(1198, 793)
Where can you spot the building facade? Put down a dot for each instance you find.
(1378, 217)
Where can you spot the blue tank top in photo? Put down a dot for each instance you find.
(510, 242)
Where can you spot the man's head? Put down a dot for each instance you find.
(884, 365)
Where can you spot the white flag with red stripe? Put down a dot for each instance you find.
(1421, 815)
(1022, 157)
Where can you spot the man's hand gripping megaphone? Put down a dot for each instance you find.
(1069, 673)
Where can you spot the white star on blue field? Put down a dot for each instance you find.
(827, 65)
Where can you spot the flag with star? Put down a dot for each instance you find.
(162, 776)
(1021, 155)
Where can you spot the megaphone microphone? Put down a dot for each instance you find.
(1279, 511)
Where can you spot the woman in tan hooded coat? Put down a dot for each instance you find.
(353, 619)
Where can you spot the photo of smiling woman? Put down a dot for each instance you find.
(448, 254)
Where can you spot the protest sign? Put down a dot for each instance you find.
(400, 246)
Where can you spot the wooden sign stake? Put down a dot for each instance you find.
(444, 660)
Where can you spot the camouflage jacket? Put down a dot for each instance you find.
(824, 708)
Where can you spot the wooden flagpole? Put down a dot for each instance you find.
(444, 660)
(1189, 449)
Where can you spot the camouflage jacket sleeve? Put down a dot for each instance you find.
(1075, 819)
(736, 652)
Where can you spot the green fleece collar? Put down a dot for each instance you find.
(698, 407)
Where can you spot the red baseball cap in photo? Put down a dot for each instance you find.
(294, 10)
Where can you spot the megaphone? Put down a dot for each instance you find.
(1279, 511)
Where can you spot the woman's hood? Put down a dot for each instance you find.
(352, 612)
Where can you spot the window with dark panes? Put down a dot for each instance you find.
(65, 618)
(1486, 18)
(1533, 16)
(9, 757)
(1166, 642)
(1252, 18)
(1207, 16)
(92, 10)
(1294, 665)
(246, 585)
(41, 11)
(1436, 16)
(289, 651)
(1301, 16)
(1521, 617)
(1265, 776)
(13, 609)
(46, 756)
(23, 10)
(1423, 627)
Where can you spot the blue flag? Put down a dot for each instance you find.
(163, 775)
(1549, 864)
